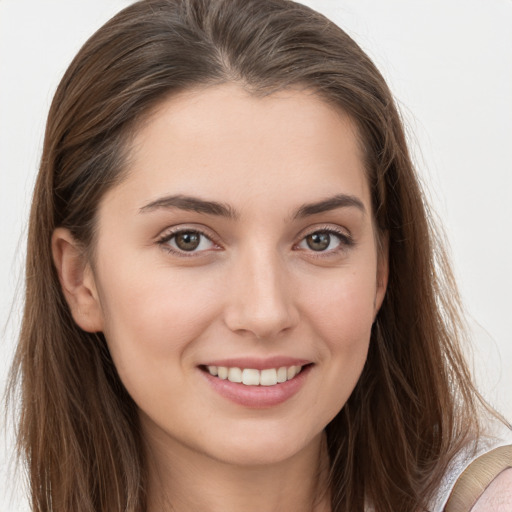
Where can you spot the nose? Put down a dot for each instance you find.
(261, 302)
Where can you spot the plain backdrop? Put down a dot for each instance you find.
(449, 64)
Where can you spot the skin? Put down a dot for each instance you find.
(254, 288)
(498, 496)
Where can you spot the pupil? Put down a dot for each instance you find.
(318, 241)
(187, 241)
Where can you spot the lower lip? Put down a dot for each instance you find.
(258, 397)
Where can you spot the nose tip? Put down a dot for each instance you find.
(267, 320)
(262, 303)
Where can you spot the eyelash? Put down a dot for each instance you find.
(345, 241)
(164, 240)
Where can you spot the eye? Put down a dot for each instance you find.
(188, 241)
(319, 241)
(325, 241)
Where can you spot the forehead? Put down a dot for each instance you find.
(222, 140)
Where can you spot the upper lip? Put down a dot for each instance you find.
(258, 363)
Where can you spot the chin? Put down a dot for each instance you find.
(262, 446)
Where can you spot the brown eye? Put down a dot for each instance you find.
(188, 240)
(318, 241)
(328, 241)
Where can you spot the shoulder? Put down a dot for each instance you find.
(498, 495)
(483, 483)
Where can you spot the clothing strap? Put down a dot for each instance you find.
(476, 478)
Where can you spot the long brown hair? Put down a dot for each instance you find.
(414, 404)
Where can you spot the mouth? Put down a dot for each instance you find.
(253, 377)
(256, 382)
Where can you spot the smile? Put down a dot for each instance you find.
(253, 377)
(268, 385)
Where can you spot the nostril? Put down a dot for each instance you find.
(262, 324)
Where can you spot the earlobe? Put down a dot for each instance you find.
(77, 281)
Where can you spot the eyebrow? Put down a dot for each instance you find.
(196, 204)
(191, 204)
(331, 203)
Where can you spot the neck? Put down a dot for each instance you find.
(183, 480)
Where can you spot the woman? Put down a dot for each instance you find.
(234, 296)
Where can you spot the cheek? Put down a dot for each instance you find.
(341, 315)
(153, 321)
(342, 310)
(153, 315)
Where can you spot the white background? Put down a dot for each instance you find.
(449, 63)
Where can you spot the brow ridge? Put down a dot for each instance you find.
(330, 203)
(190, 203)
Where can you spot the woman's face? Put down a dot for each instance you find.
(241, 240)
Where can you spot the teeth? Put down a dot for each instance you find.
(282, 374)
(268, 377)
(292, 371)
(251, 377)
(235, 375)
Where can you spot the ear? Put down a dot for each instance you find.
(382, 271)
(77, 281)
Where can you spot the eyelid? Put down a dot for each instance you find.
(346, 240)
(172, 231)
